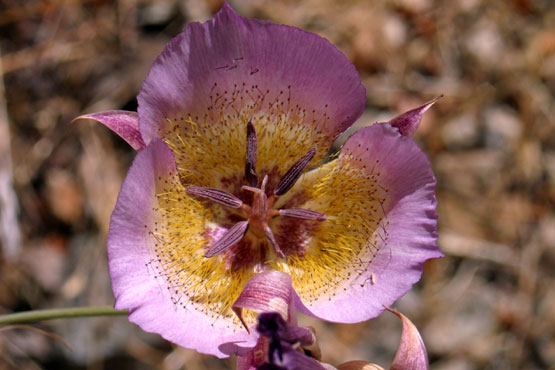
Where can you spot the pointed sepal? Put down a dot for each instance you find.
(411, 354)
(123, 123)
(408, 122)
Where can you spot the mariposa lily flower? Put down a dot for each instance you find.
(232, 115)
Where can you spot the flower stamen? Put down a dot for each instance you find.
(260, 212)
(218, 196)
(292, 175)
(304, 214)
(230, 238)
(250, 160)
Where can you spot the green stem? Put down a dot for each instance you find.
(59, 313)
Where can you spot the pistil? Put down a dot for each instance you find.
(260, 213)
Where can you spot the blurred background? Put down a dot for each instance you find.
(490, 304)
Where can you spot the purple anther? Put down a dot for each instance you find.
(252, 147)
(218, 196)
(230, 238)
(305, 214)
(293, 174)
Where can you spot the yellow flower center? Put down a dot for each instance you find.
(321, 257)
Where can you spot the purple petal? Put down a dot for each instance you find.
(404, 235)
(123, 123)
(268, 291)
(294, 360)
(408, 122)
(211, 69)
(131, 257)
(411, 354)
(256, 357)
(272, 325)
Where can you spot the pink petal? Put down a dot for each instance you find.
(123, 123)
(408, 122)
(407, 235)
(131, 259)
(268, 291)
(211, 69)
(411, 354)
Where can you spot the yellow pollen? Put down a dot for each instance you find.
(210, 152)
(341, 249)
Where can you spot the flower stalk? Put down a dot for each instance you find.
(59, 313)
